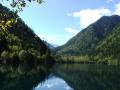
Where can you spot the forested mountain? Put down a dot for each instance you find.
(88, 38)
(109, 48)
(17, 41)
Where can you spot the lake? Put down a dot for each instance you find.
(60, 77)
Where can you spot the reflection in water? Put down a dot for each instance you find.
(90, 77)
(53, 83)
(22, 77)
(60, 77)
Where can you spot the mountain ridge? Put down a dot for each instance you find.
(88, 38)
(109, 48)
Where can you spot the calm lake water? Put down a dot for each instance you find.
(60, 77)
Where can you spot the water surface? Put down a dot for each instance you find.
(53, 83)
(60, 77)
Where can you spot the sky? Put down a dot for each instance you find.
(57, 21)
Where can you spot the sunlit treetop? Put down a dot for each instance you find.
(20, 4)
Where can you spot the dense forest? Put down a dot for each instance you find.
(19, 43)
(88, 38)
(98, 42)
(109, 49)
(88, 61)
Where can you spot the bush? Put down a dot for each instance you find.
(14, 57)
(14, 48)
(23, 55)
(5, 56)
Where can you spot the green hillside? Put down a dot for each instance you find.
(86, 40)
(109, 49)
(17, 41)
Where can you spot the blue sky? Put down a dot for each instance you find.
(56, 21)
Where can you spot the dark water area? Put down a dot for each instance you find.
(59, 77)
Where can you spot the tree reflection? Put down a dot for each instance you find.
(22, 77)
(90, 77)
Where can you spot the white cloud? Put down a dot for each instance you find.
(72, 31)
(88, 16)
(49, 85)
(117, 9)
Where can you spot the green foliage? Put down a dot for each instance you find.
(5, 55)
(3, 42)
(8, 57)
(85, 41)
(14, 57)
(23, 55)
(20, 4)
(100, 42)
(109, 48)
(18, 42)
(73, 59)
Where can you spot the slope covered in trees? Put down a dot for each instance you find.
(17, 41)
(85, 41)
(109, 48)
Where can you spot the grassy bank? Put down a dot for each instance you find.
(85, 60)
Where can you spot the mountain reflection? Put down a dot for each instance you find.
(89, 77)
(59, 77)
(22, 77)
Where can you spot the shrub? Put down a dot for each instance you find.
(23, 55)
(14, 57)
(5, 56)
